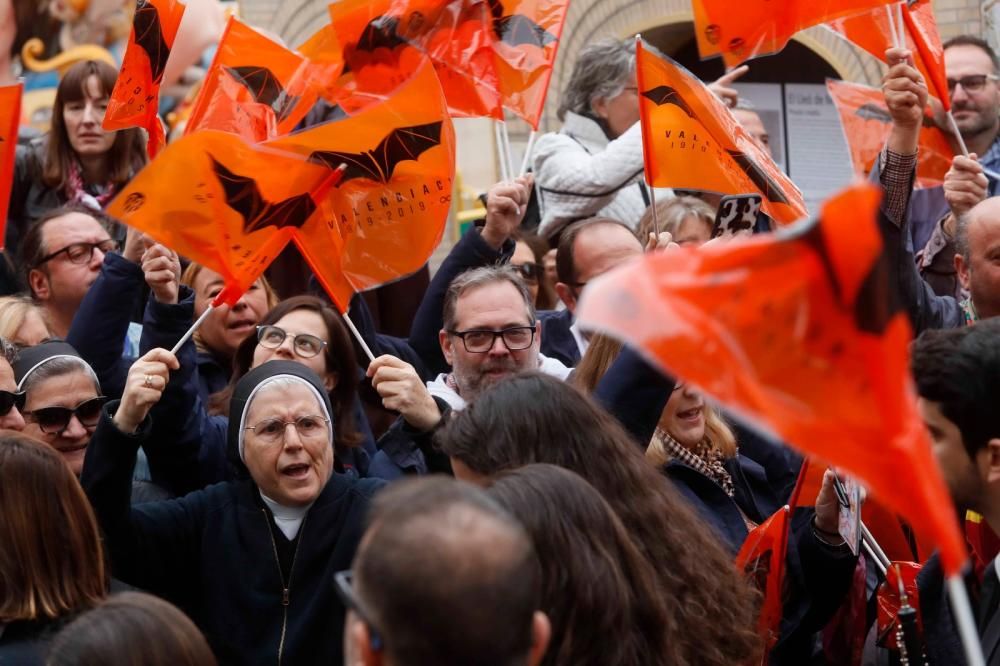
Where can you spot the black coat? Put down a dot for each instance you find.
(943, 646)
(213, 553)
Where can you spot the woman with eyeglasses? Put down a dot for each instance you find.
(78, 160)
(251, 560)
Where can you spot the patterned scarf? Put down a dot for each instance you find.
(76, 191)
(703, 457)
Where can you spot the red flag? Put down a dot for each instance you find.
(136, 98)
(922, 28)
(762, 559)
(256, 88)
(384, 41)
(10, 119)
(890, 601)
(795, 330)
(527, 34)
(692, 141)
(387, 215)
(750, 28)
(223, 203)
(867, 123)
(871, 32)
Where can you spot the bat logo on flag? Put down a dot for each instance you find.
(149, 36)
(382, 32)
(243, 196)
(265, 88)
(518, 29)
(661, 95)
(404, 143)
(758, 177)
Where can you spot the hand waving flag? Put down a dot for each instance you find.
(135, 99)
(692, 141)
(795, 330)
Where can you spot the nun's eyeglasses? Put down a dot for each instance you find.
(272, 431)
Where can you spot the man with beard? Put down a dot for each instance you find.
(957, 372)
(973, 84)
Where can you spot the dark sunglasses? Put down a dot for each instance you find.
(54, 420)
(531, 272)
(10, 400)
(343, 582)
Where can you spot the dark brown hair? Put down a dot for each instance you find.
(338, 354)
(595, 581)
(534, 418)
(33, 248)
(132, 628)
(128, 152)
(51, 563)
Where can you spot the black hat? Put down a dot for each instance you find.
(248, 385)
(30, 359)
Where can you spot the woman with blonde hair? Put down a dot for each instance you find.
(22, 321)
(688, 219)
(51, 562)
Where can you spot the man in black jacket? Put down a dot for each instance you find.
(443, 576)
(958, 381)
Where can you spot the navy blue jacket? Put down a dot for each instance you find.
(943, 646)
(212, 553)
(817, 576)
(557, 340)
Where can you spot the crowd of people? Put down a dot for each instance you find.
(501, 486)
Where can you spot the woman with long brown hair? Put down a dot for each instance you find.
(533, 418)
(78, 160)
(51, 562)
(595, 581)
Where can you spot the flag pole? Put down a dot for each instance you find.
(874, 557)
(527, 153)
(897, 40)
(357, 336)
(652, 207)
(963, 621)
(194, 327)
(505, 138)
(498, 139)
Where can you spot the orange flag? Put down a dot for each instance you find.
(527, 34)
(255, 87)
(750, 28)
(386, 216)
(384, 41)
(762, 559)
(136, 98)
(224, 204)
(871, 32)
(890, 601)
(692, 141)
(795, 330)
(10, 119)
(923, 31)
(867, 123)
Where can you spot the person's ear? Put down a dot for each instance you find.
(600, 107)
(566, 295)
(993, 460)
(330, 381)
(541, 633)
(38, 284)
(362, 640)
(963, 272)
(445, 340)
(538, 334)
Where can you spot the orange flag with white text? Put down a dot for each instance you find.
(692, 141)
(871, 31)
(135, 99)
(224, 204)
(527, 34)
(256, 88)
(10, 120)
(796, 331)
(388, 213)
(762, 560)
(746, 29)
(867, 123)
(384, 42)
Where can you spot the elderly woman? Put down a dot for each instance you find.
(78, 160)
(592, 167)
(51, 563)
(250, 561)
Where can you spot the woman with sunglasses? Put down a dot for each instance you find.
(251, 560)
(11, 400)
(529, 261)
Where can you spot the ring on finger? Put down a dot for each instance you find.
(148, 381)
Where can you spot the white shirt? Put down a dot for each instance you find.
(439, 388)
(581, 340)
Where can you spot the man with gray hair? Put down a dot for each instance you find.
(11, 400)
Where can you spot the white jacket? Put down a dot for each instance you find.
(579, 174)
